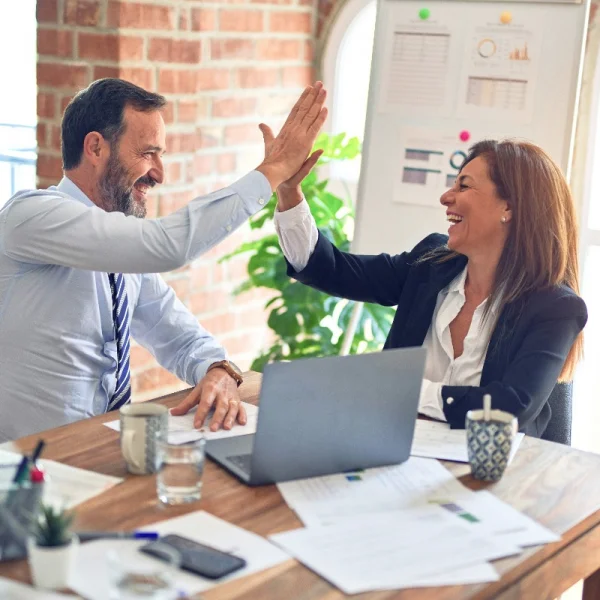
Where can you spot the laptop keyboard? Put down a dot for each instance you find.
(241, 461)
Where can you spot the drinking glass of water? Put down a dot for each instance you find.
(180, 466)
(135, 576)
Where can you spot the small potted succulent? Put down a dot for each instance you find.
(52, 548)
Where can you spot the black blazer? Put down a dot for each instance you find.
(528, 346)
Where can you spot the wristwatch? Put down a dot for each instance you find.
(232, 369)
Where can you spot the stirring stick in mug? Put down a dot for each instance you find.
(487, 407)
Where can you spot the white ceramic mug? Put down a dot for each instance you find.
(142, 426)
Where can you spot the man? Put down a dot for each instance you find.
(66, 309)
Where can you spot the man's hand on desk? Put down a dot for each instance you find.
(218, 390)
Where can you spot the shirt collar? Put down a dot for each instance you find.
(66, 186)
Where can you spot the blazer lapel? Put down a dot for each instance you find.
(419, 318)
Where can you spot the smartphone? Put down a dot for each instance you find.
(197, 558)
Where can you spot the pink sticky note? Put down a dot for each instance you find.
(464, 136)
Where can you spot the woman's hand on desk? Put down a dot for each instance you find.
(218, 390)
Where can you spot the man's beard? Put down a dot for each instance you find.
(115, 191)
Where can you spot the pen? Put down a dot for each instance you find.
(85, 536)
(37, 451)
(21, 470)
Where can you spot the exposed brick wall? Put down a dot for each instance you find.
(224, 65)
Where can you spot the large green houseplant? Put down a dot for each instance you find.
(307, 322)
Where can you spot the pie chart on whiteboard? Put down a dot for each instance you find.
(486, 48)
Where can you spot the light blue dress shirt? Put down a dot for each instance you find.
(58, 354)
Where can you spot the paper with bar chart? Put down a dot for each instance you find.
(500, 69)
(415, 69)
(428, 162)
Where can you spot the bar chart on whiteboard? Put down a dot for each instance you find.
(500, 71)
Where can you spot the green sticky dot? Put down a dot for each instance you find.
(424, 13)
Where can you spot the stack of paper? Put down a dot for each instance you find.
(415, 482)
(65, 486)
(408, 525)
(436, 440)
(12, 590)
(416, 547)
(91, 574)
(182, 430)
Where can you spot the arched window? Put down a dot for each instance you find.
(346, 70)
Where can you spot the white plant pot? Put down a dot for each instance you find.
(50, 567)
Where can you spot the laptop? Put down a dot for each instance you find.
(328, 415)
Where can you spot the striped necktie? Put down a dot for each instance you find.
(122, 393)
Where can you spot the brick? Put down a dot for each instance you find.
(181, 142)
(208, 301)
(240, 343)
(187, 111)
(204, 20)
(300, 76)
(140, 16)
(256, 77)
(242, 134)
(181, 286)
(140, 76)
(47, 11)
(41, 135)
(170, 50)
(82, 12)
(64, 102)
(168, 113)
(111, 47)
(212, 79)
(276, 49)
(200, 276)
(140, 357)
(210, 137)
(49, 166)
(55, 42)
(219, 324)
(203, 164)
(61, 75)
(251, 317)
(55, 137)
(185, 20)
(241, 20)
(225, 163)
(144, 381)
(173, 81)
(173, 172)
(233, 107)
(276, 105)
(46, 105)
(309, 51)
(290, 22)
(231, 49)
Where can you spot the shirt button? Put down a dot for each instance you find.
(450, 400)
(228, 227)
(261, 201)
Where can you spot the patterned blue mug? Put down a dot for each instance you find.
(489, 443)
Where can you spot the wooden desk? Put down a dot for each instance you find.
(554, 484)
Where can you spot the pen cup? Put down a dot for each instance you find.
(19, 507)
(489, 442)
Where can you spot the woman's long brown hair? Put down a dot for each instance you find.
(541, 250)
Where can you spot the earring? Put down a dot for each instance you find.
(503, 219)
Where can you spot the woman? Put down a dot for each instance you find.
(495, 302)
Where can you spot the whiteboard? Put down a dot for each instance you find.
(444, 79)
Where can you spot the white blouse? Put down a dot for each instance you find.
(298, 237)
